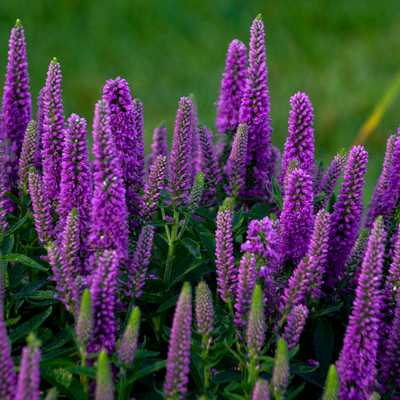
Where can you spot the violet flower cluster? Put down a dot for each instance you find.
(294, 325)
(204, 313)
(28, 154)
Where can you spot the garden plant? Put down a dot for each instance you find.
(218, 268)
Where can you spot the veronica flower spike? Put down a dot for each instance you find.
(280, 374)
(294, 325)
(28, 154)
(176, 379)
(3, 198)
(357, 362)
(255, 113)
(160, 143)
(261, 390)
(300, 142)
(17, 105)
(104, 378)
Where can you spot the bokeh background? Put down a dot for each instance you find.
(344, 54)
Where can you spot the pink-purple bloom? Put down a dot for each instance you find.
(3, 199)
(255, 113)
(294, 325)
(347, 214)
(204, 313)
(177, 377)
(28, 154)
(261, 390)
(357, 362)
(53, 132)
(232, 88)
(160, 141)
(17, 106)
(300, 142)
(180, 164)
(40, 122)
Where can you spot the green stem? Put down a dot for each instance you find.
(252, 371)
(122, 387)
(84, 377)
(168, 267)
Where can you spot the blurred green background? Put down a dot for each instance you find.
(344, 54)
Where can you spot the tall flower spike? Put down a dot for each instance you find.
(40, 122)
(76, 179)
(261, 390)
(244, 293)
(180, 164)
(390, 367)
(3, 199)
(294, 325)
(280, 375)
(232, 88)
(28, 154)
(357, 362)
(376, 205)
(346, 218)
(353, 266)
(127, 347)
(160, 143)
(208, 162)
(103, 294)
(44, 222)
(197, 191)
(300, 142)
(225, 261)
(137, 266)
(152, 190)
(53, 132)
(29, 373)
(296, 220)
(236, 167)
(17, 106)
(84, 326)
(204, 312)
(8, 377)
(330, 179)
(70, 244)
(125, 123)
(109, 226)
(318, 175)
(331, 391)
(196, 151)
(176, 379)
(255, 113)
(104, 379)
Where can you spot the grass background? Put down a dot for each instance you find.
(344, 54)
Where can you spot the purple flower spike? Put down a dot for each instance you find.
(76, 179)
(104, 296)
(109, 226)
(196, 150)
(40, 122)
(244, 294)
(318, 176)
(225, 261)
(390, 367)
(17, 107)
(280, 375)
(152, 190)
(53, 132)
(160, 141)
(197, 191)
(104, 378)
(204, 313)
(180, 165)
(300, 142)
(357, 362)
(137, 266)
(294, 325)
(208, 162)
(29, 373)
(255, 113)
(28, 154)
(176, 380)
(296, 220)
(232, 88)
(307, 277)
(236, 167)
(126, 125)
(353, 266)
(44, 222)
(346, 218)
(8, 377)
(3, 199)
(330, 179)
(127, 347)
(261, 390)
(84, 326)
(377, 205)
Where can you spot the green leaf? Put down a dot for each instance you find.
(329, 310)
(147, 370)
(238, 219)
(29, 326)
(293, 394)
(144, 353)
(313, 377)
(15, 276)
(48, 359)
(331, 203)
(324, 343)
(20, 258)
(168, 304)
(41, 294)
(261, 210)
(276, 193)
(7, 245)
(14, 198)
(87, 371)
(207, 214)
(60, 339)
(65, 382)
(300, 367)
(185, 267)
(14, 228)
(192, 246)
(160, 222)
(229, 375)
